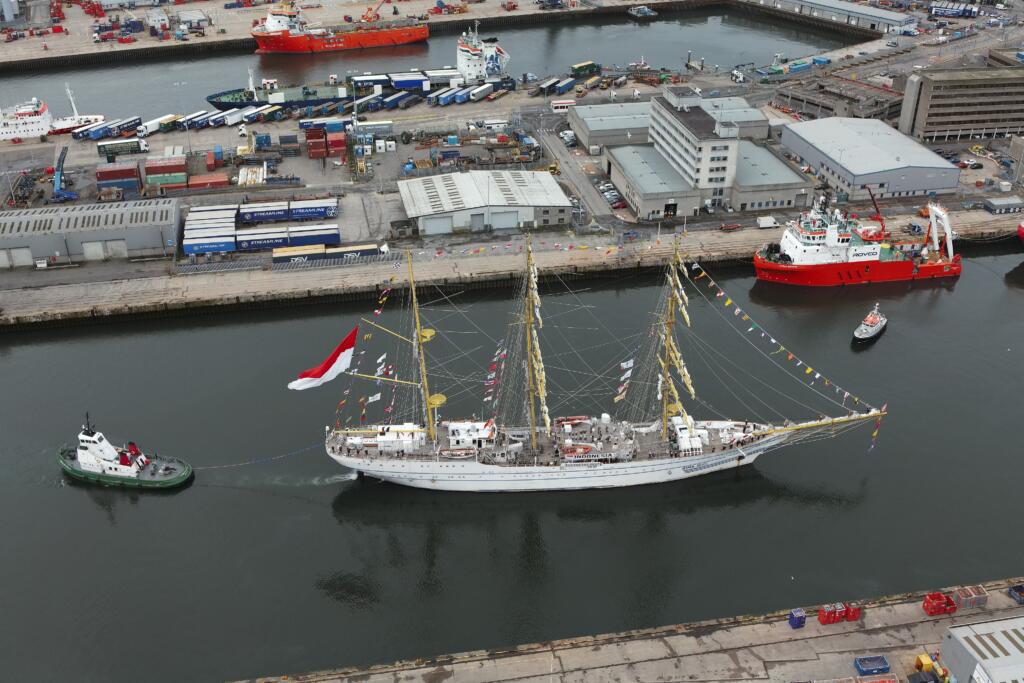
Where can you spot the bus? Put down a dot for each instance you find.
(562, 106)
(584, 69)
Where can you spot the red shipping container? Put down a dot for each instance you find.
(318, 147)
(317, 155)
(336, 137)
(168, 165)
(118, 171)
(502, 137)
(209, 180)
(335, 152)
(315, 134)
(210, 161)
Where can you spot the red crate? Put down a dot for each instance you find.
(853, 611)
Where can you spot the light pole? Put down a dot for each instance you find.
(188, 137)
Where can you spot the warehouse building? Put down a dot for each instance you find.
(851, 14)
(610, 124)
(956, 104)
(478, 201)
(851, 154)
(703, 156)
(88, 232)
(990, 651)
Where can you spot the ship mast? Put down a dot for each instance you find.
(669, 357)
(430, 402)
(71, 96)
(535, 378)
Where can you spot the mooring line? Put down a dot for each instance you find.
(260, 460)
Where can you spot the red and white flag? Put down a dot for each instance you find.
(336, 363)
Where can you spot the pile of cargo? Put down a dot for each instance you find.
(970, 596)
(210, 229)
(936, 604)
(167, 173)
(252, 176)
(840, 611)
(118, 180)
(297, 210)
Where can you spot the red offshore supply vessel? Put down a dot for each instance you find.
(285, 30)
(828, 249)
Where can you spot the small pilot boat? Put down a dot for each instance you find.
(98, 461)
(871, 327)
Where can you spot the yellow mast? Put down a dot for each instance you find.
(429, 402)
(535, 377)
(670, 356)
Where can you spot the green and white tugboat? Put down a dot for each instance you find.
(98, 461)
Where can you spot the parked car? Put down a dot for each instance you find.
(619, 205)
(605, 187)
(630, 235)
(977, 165)
(969, 161)
(963, 164)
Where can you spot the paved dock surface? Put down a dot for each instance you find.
(497, 265)
(762, 648)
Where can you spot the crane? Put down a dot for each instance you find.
(59, 193)
(878, 214)
(373, 13)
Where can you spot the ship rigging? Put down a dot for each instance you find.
(652, 439)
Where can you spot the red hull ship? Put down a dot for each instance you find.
(285, 30)
(829, 250)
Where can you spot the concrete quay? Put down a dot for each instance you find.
(747, 648)
(498, 266)
(76, 48)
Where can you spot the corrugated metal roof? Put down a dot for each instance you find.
(864, 146)
(648, 170)
(997, 645)
(758, 166)
(161, 213)
(866, 11)
(475, 189)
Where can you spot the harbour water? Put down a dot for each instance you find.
(723, 37)
(287, 566)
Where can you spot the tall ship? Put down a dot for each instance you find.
(522, 446)
(284, 29)
(826, 248)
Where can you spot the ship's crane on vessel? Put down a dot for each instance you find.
(878, 213)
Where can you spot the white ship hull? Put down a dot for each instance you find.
(470, 475)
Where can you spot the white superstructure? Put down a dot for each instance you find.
(480, 59)
(30, 119)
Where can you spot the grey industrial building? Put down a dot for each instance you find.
(703, 155)
(849, 13)
(88, 232)
(990, 651)
(477, 201)
(955, 104)
(622, 123)
(833, 95)
(851, 154)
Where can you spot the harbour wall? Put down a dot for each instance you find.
(446, 25)
(180, 295)
(743, 648)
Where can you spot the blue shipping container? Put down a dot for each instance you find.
(330, 237)
(253, 213)
(821, 60)
(208, 245)
(260, 240)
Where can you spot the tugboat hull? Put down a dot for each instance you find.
(181, 477)
(857, 273)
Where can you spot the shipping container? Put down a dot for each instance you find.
(584, 69)
(392, 101)
(410, 101)
(267, 211)
(322, 234)
(199, 233)
(357, 250)
(118, 170)
(208, 245)
(221, 214)
(562, 106)
(368, 82)
(447, 98)
(83, 132)
(433, 97)
(169, 122)
(304, 254)
(480, 93)
(307, 124)
(313, 209)
(166, 178)
(213, 207)
(441, 76)
(463, 95)
(254, 240)
(275, 113)
(409, 81)
(564, 86)
(114, 147)
(103, 130)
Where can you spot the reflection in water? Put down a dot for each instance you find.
(353, 590)
(1015, 277)
(108, 499)
(787, 296)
